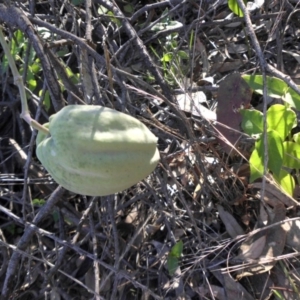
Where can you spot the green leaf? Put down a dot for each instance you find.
(276, 87)
(256, 162)
(47, 101)
(32, 84)
(167, 57)
(281, 119)
(292, 98)
(275, 153)
(234, 7)
(74, 77)
(173, 257)
(172, 263)
(36, 67)
(252, 122)
(177, 249)
(286, 182)
(38, 202)
(291, 158)
(296, 138)
(182, 54)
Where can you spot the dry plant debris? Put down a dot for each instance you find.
(169, 64)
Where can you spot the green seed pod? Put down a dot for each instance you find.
(96, 151)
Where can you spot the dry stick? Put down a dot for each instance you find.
(60, 70)
(101, 61)
(95, 248)
(29, 154)
(44, 261)
(263, 66)
(169, 98)
(127, 249)
(74, 248)
(25, 239)
(146, 8)
(88, 20)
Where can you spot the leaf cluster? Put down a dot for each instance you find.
(283, 147)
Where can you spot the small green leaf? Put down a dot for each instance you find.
(252, 122)
(36, 67)
(172, 263)
(281, 119)
(32, 84)
(173, 257)
(167, 57)
(177, 249)
(47, 101)
(234, 7)
(182, 54)
(38, 202)
(276, 87)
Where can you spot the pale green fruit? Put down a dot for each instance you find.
(96, 151)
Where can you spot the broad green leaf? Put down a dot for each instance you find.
(281, 119)
(234, 7)
(286, 182)
(292, 98)
(252, 122)
(291, 158)
(276, 87)
(275, 153)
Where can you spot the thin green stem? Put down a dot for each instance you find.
(19, 83)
